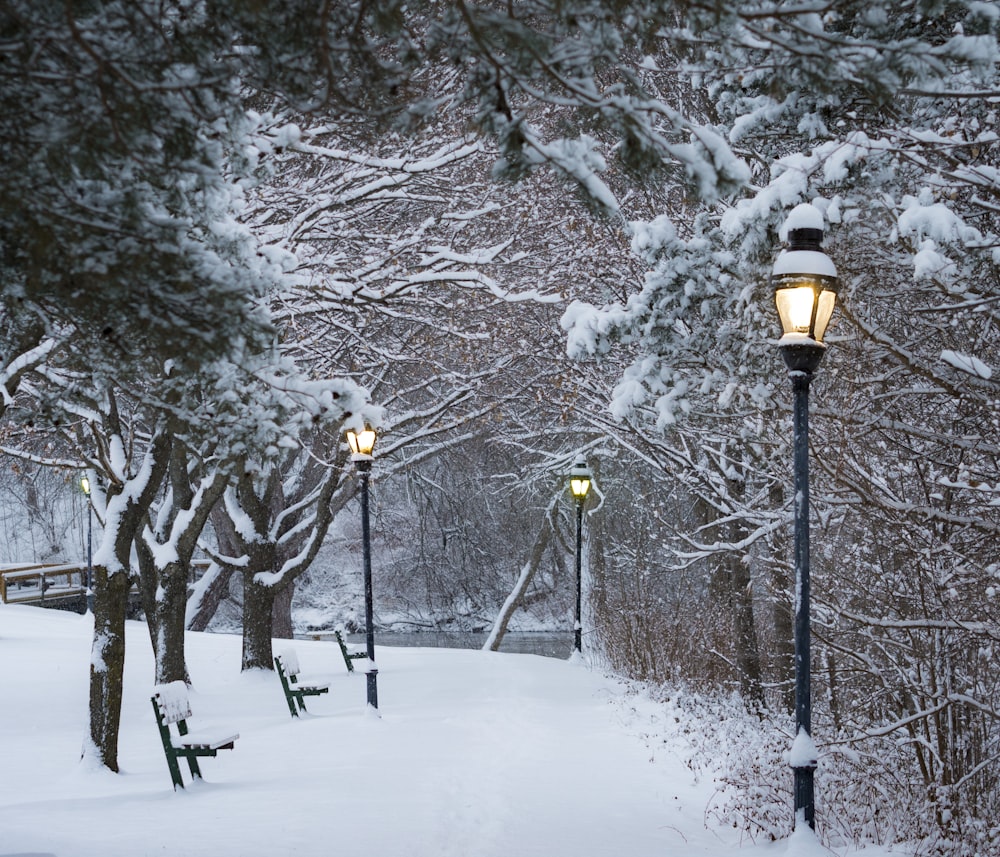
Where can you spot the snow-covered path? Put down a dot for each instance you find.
(473, 754)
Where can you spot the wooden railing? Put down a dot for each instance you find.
(31, 584)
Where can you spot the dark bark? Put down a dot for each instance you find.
(745, 631)
(744, 625)
(258, 615)
(168, 647)
(147, 586)
(164, 590)
(267, 606)
(212, 595)
(217, 589)
(281, 612)
(107, 663)
(110, 603)
(783, 658)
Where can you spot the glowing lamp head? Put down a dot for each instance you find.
(579, 480)
(85, 485)
(362, 443)
(804, 279)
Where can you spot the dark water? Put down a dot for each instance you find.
(551, 644)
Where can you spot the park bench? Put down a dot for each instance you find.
(349, 656)
(171, 705)
(287, 665)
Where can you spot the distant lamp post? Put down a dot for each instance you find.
(805, 291)
(89, 583)
(579, 484)
(362, 443)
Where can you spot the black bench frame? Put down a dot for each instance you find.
(287, 665)
(349, 656)
(185, 744)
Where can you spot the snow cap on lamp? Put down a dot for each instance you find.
(804, 279)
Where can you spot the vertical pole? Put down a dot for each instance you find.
(804, 797)
(372, 675)
(578, 627)
(89, 588)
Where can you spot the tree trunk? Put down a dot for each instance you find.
(745, 631)
(782, 619)
(147, 588)
(520, 587)
(281, 613)
(258, 610)
(171, 664)
(210, 592)
(107, 664)
(744, 625)
(111, 593)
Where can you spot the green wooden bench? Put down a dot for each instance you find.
(349, 656)
(171, 705)
(287, 665)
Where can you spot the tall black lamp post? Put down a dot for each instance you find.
(362, 443)
(805, 291)
(89, 583)
(579, 485)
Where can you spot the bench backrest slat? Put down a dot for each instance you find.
(290, 662)
(172, 701)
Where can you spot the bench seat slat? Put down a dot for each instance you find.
(204, 741)
(311, 685)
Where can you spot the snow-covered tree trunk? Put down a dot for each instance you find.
(107, 664)
(127, 507)
(258, 607)
(167, 623)
(167, 548)
(258, 612)
(524, 578)
(209, 592)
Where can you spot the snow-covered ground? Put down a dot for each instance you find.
(472, 754)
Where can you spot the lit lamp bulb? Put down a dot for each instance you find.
(362, 443)
(579, 480)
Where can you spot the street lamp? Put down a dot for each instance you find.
(89, 586)
(579, 485)
(805, 291)
(362, 443)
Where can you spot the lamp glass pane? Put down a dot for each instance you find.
(579, 487)
(85, 485)
(364, 442)
(795, 308)
(827, 301)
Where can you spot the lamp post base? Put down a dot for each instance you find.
(805, 806)
(372, 678)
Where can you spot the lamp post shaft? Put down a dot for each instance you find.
(804, 800)
(372, 676)
(578, 628)
(89, 588)
(805, 293)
